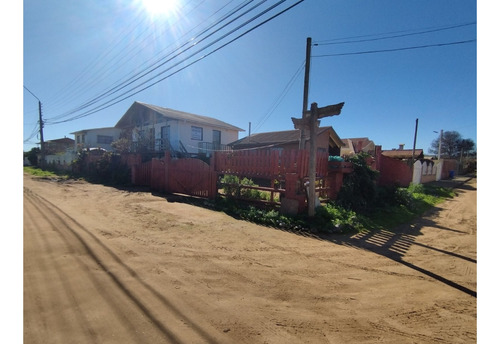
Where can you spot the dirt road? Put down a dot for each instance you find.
(103, 265)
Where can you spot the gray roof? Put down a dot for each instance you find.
(137, 107)
(279, 138)
(93, 129)
(402, 153)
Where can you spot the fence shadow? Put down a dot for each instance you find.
(394, 245)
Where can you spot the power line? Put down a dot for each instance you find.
(396, 49)
(92, 80)
(30, 92)
(421, 32)
(124, 96)
(152, 68)
(280, 98)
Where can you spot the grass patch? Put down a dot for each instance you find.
(38, 172)
(408, 204)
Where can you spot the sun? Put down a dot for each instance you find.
(160, 7)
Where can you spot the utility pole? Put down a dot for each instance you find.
(42, 143)
(440, 140)
(302, 141)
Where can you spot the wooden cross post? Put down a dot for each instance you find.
(313, 126)
(311, 121)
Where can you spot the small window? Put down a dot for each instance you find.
(216, 139)
(196, 133)
(104, 139)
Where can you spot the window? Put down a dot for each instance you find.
(165, 132)
(196, 133)
(216, 137)
(104, 139)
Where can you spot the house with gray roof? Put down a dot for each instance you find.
(159, 129)
(327, 140)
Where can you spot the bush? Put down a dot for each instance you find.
(106, 169)
(332, 218)
(232, 187)
(250, 193)
(358, 190)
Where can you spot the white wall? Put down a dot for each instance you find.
(62, 160)
(182, 131)
(91, 138)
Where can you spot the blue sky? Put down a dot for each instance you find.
(391, 62)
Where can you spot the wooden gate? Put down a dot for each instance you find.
(191, 177)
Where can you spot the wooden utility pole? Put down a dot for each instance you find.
(302, 141)
(311, 122)
(413, 151)
(42, 143)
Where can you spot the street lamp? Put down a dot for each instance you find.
(440, 139)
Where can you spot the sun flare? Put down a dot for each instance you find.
(160, 7)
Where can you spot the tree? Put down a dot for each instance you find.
(124, 143)
(32, 155)
(467, 146)
(452, 145)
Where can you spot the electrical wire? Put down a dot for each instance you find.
(421, 32)
(280, 98)
(124, 95)
(153, 68)
(101, 72)
(396, 49)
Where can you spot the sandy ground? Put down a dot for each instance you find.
(104, 265)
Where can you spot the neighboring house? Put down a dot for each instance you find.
(96, 138)
(327, 140)
(58, 145)
(404, 154)
(356, 145)
(160, 129)
(59, 152)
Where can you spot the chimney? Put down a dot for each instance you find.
(401, 146)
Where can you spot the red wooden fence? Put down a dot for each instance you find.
(272, 164)
(197, 178)
(192, 177)
(141, 174)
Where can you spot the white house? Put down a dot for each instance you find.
(166, 129)
(96, 138)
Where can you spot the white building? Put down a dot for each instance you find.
(167, 129)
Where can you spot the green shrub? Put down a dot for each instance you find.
(403, 196)
(230, 185)
(358, 190)
(233, 187)
(107, 169)
(335, 218)
(250, 193)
